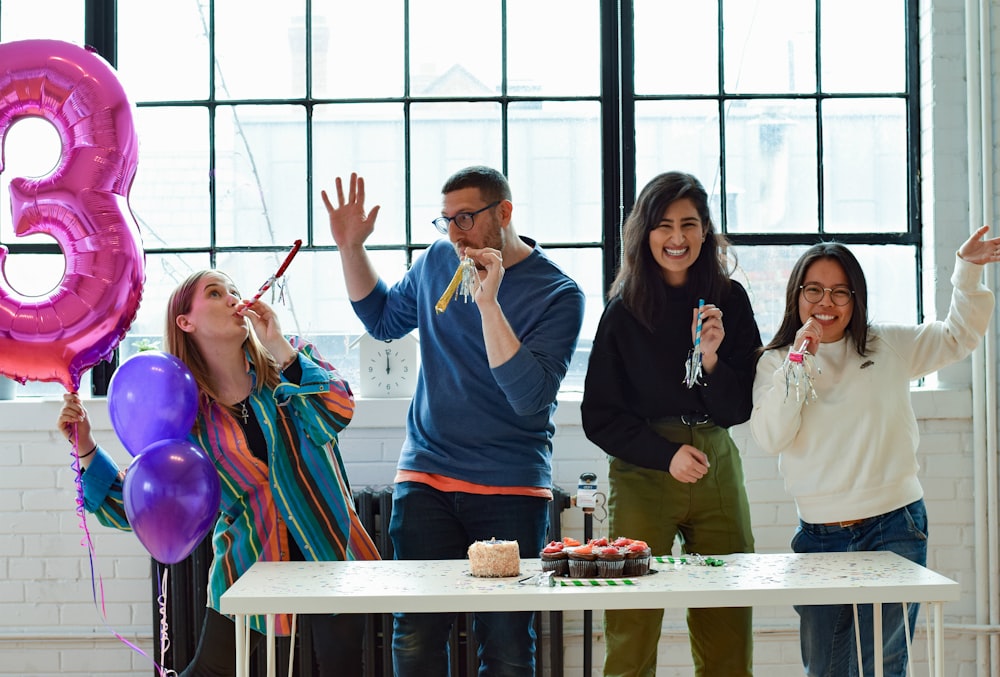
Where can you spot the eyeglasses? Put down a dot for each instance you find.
(813, 293)
(464, 220)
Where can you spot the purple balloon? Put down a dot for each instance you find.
(152, 397)
(171, 493)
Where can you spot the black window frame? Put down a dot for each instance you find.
(617, 98)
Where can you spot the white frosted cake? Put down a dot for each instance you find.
(494, 559)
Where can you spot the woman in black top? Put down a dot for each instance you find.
(674, 467)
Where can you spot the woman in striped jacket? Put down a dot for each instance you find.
(269, 413)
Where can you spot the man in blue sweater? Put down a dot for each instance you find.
(476, 462)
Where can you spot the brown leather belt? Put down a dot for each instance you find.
(845, 524)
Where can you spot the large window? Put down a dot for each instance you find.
(796, 116)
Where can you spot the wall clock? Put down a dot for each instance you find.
(388, 368)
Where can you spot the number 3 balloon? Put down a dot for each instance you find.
(82, 203)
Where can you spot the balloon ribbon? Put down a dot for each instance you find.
(96, 580)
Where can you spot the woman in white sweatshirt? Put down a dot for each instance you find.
(848, 457)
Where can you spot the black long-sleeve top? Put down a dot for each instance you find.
(635, 376)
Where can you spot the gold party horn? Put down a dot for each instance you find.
(464, 267)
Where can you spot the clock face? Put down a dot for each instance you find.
(389, 372)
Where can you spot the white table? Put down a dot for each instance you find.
(746, 580)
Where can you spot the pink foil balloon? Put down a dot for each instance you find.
(82, 203)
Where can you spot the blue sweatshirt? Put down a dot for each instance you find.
(468, 421)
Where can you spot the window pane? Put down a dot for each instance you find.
(311, 298)
(42, 19)
(555, 170)
(764, 270)
(864, 46)
(693, 38)
(34, 275)
(771, 166)
(770, 46)
(341, 32)
(368, 139)
(260, 175)
(260, 49)
(454, 48)
(163, 50)
(31, 149)
(163, 273)
(677, 136)
(864, 166)
(170, 195)
(443, 139)
(543, 37)
(584, 266)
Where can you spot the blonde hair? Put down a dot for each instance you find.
(180, 344)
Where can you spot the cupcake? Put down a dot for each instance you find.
(554, 559)
(610, 562)
(582, 561)
(637, 559)
(621, 542)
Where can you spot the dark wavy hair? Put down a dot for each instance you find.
(858, 328)
(639, 280)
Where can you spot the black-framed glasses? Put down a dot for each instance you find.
(464, 220)
(813, 293)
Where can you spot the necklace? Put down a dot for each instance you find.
(243, 411)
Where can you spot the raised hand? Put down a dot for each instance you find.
(980, 251)
(349, 224)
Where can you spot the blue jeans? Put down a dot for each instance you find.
(826, 632)
(431, 524)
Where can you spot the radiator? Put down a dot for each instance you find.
(186, 599)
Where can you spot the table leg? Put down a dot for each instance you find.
(877, 632)
(271, 659)
(242, 668)
(938, 662)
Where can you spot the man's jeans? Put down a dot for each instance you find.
(431, 524)
(826, 632)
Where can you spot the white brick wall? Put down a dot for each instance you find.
(52, 626)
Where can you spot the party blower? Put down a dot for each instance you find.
(281, 271)
(693, 368)
(463, 283)
(799, 368)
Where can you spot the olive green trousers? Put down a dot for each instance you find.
(711, 517)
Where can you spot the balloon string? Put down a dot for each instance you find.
(96, 580)
(161, 600)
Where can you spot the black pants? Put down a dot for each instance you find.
(338, 644)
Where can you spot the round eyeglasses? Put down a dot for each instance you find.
(464, 220)
(813, 293)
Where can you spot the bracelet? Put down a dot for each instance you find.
(88, 453)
